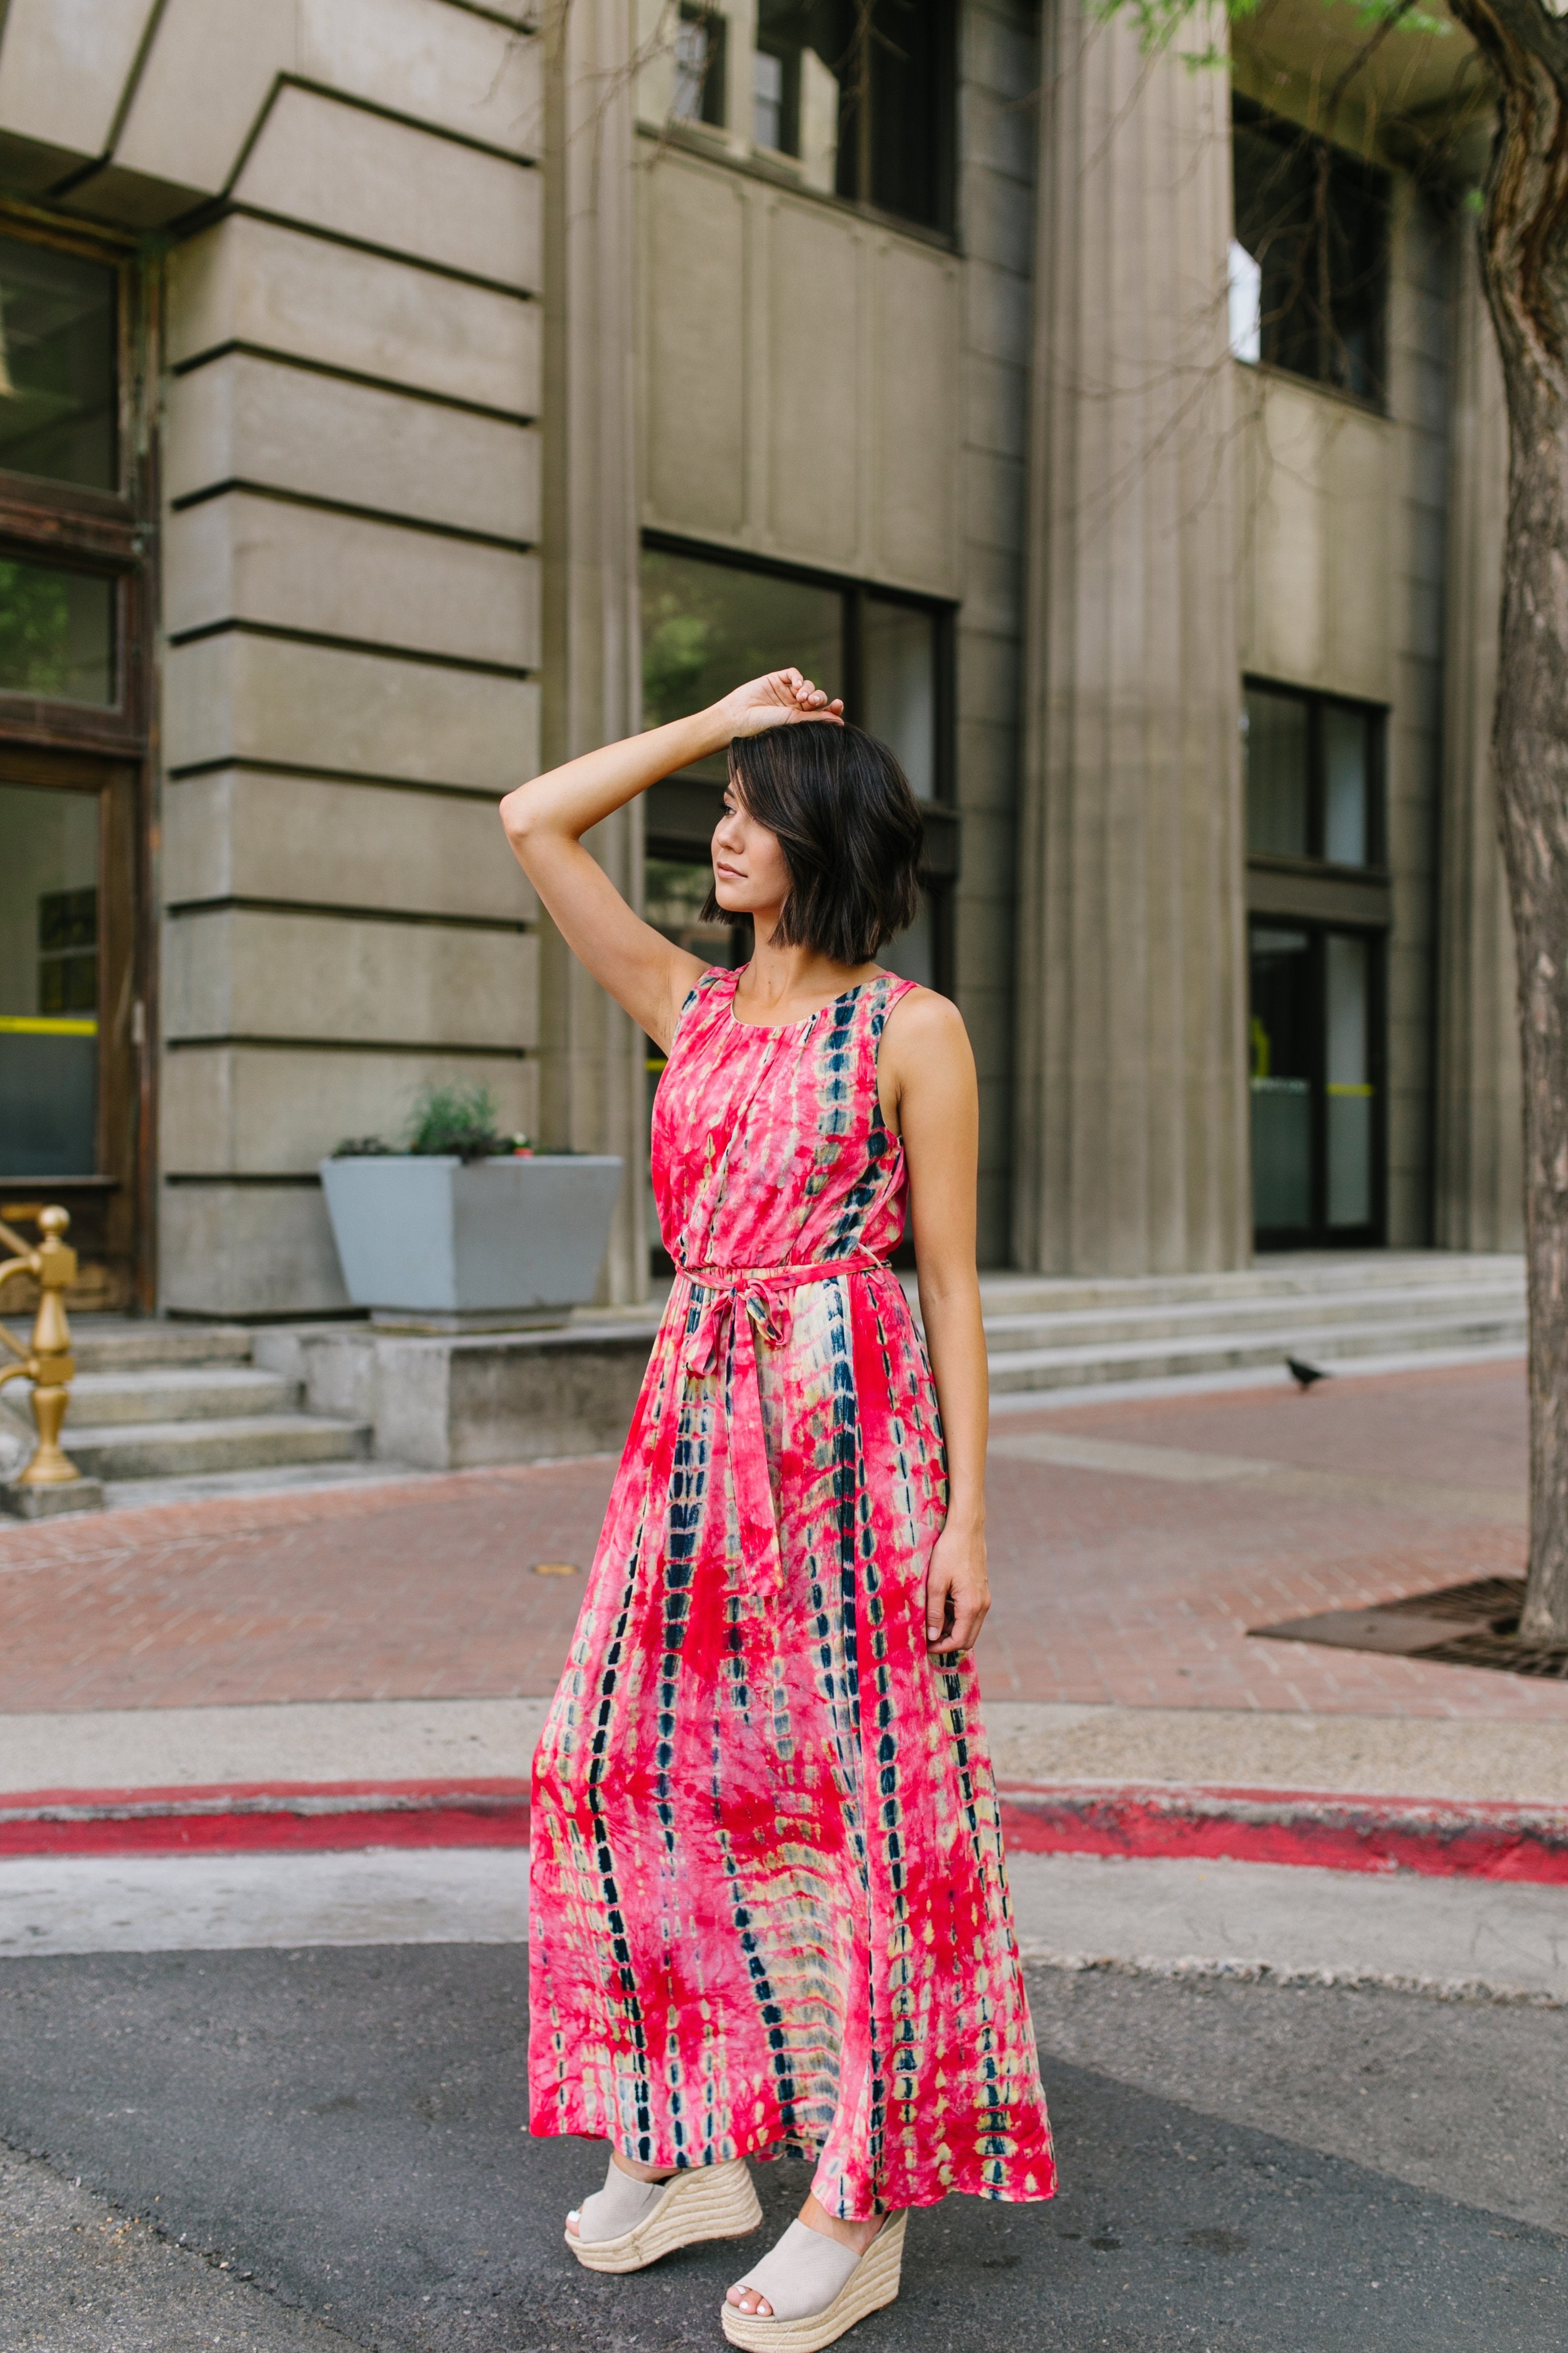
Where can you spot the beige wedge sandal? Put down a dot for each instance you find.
(817, 2288)
(628, 2223)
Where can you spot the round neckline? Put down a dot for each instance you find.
(778, 1028)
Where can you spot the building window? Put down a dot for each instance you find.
(861, 93)
(57, 633)
(707, 625)
(1309, 274)
(1313, 769)
(699, 66)
(1318, 900)
(57, 389)
(1316, 1037)
(74, 525)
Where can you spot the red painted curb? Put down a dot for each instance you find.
(261, 1818)
(1435, 1839)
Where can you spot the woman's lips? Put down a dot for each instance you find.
(731, 873)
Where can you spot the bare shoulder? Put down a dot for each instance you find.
(922, 1022)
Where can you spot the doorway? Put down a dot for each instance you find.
(1316, 1034)
(70, 1025)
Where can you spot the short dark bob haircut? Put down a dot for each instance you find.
(851, 831)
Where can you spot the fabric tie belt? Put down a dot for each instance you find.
(763, 1292)
(763, 1296)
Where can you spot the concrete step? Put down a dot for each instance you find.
(160, 1393)
(122, 1343)
(1404, 1310)
(1297, 1275)
(170, 1449)
(1227, 1351)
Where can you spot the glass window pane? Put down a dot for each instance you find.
(868, 107)
(1244, 290)
(699, 66)
(909, 73)
(57, 633)
(56, 365)
(1281, 1037)
(1320, 248)
(1345, 783)
(709, 627)
(1349, 1080)
(770, 127)
(899, 655)
(48, 982)
(1275, 742)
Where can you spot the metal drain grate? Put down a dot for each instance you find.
(1472, 1625)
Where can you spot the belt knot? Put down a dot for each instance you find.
(763, 1293)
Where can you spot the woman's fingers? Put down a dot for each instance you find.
(967, 1619)
(812, 702)
(953, 1617)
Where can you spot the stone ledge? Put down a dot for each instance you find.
(49, 1502)
(464, 1401)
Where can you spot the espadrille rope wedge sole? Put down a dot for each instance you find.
(629, 2224)
(800, 2269)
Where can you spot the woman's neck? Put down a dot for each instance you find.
(780, 982)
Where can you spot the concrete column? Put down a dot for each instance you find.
(1480, 1179)
(593, 1082)
(1131, 1106)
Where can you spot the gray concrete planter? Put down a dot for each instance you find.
(429, 1238)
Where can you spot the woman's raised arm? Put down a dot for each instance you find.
(545, 821)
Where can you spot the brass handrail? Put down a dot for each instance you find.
(47, 1362)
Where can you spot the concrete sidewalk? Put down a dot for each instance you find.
(1121, 1578)
(1031, 1742)
(1475, 1940)
(369, 1670)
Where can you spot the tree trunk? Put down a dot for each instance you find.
(1524, 253)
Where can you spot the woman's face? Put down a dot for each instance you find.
(750, 871)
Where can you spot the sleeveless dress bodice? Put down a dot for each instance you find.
(769, 1911)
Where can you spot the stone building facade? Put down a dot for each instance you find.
(398, 393)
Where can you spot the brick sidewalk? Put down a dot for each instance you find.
(1131, 1590)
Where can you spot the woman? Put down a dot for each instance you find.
(769, 1913)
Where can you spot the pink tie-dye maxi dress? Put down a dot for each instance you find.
(769, 1910)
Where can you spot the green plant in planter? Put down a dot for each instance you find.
(449, 1122)
(460, 1121)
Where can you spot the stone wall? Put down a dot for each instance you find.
(1130, 1151)
(349, 581)
(999, 96)
(349, 575)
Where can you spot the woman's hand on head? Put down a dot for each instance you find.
(783, 699)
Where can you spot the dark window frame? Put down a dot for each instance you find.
(107, 534)
(1351, 180)
(1317, 1234)
(714, 111)
(862, 158)
(104, 749)
(1374, 870)
(939, 874)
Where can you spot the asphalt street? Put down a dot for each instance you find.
(323, 2149)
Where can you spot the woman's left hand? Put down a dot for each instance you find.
(958, 1590)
